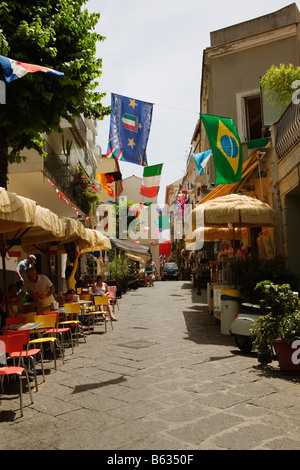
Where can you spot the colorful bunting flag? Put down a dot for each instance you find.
(180, 204)
(201, 160)
(226, 148)
(104, 184)
(151, 180)
(256, 143)
(14, 69)
(113, 176)
(130, 124)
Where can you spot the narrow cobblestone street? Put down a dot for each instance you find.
(164, 378)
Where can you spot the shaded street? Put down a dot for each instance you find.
(164, 378)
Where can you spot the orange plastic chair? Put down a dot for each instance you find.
(29, 316)
(29, 354)
(59, 330)
(10, 344)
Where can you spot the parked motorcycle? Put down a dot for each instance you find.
(240, 327)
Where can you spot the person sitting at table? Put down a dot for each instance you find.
(41, 290)
(100, 288)
(12, 292)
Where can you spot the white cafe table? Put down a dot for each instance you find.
(22, 326)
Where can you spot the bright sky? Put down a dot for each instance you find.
(153, 52)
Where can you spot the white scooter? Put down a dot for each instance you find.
(240, 327)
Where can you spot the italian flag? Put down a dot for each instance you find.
(130, 122)
(151, 180)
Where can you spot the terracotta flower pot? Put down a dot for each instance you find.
(288, 356)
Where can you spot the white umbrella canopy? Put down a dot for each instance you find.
(86, 239)
(23, 219)
(74, 233)
(196, 238)
(237, 210)
(97, 242)
(15, 211)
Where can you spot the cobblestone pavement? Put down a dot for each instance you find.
(164, 378)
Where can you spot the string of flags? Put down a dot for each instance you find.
(129, 132)
(58, 192)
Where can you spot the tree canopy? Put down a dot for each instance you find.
(59, 34)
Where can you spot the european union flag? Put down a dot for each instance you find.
(130, 124)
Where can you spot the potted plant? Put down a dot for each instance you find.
(119, 270)
(280, 327)
(88, 199)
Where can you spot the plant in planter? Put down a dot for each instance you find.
(80, 176)
(119, 270)
(88, 199)
(282, 323)
(280, 83)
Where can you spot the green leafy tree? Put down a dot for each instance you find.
(59, 34)
(280, 83)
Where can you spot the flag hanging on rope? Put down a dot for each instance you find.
(103, 180)
(201, 160)
(14, 69)
(180, 205)
(151, 180)
(130, 124)
(226, 148)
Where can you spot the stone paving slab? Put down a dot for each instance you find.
(163, 379)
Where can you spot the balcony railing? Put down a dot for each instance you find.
(288, 130)
(59, 173)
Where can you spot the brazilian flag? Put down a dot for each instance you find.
(226, 148)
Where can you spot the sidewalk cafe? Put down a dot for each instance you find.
(29, 331)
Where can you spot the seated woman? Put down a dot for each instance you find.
(100, 288)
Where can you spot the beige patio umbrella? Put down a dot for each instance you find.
(235, 209)
(194, 239)
(74, 236)
(21, 218)
(16, 212)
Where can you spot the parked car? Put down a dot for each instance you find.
(170, 271)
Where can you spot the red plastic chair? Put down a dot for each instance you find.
(113, 296)
(15, 321)
(58, 330)
(28, 353)
(10, 344)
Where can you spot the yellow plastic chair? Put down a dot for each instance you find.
(73, 311)
(86, 309)
(49, 321)
(29, 316)
(85, 297)
(78, 290)
(100, 301)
